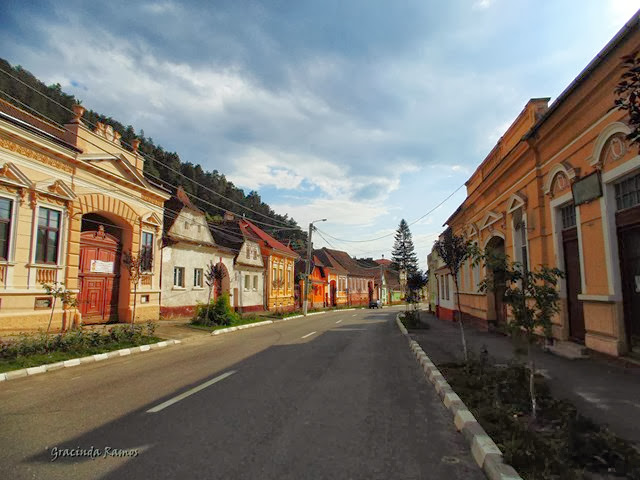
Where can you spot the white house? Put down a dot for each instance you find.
(249, 265)
(189, 250)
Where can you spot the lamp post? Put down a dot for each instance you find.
(308, 266)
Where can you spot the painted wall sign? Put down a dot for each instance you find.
(98, 266)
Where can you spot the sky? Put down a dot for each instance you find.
(362, 112)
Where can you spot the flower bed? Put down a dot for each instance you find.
(30, 350)
(559, 444)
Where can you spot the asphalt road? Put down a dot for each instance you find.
(331, 396)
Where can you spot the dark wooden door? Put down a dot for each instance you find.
(573, 282)
(629, 245)
(333, 293)
(99, 277)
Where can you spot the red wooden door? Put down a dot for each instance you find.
(572, 271)
(99, 277)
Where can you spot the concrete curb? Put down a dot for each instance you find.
(241, 327)
(73, 362)
(483, 449)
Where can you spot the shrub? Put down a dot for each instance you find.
(74, 341)
(219, 312)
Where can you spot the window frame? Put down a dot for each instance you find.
(182, 275)
(13, 216)
(247, 282)
(195, 277)
(60, 236)
(142, 250)
(255, 283)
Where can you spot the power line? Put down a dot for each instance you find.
(141, 153)
(275, 227)
(412, 223)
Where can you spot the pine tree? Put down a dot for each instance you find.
(403, 255)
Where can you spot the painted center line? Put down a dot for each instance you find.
(308, 334)
(184, 395)
(338, 321)
(354, 314)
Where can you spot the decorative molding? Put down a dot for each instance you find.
(27, 152)
(563, 168)
(596, 159)
(489, 219)
(152, 200)
(515, 202)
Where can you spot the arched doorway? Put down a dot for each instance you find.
(496, 308)
(99, 273)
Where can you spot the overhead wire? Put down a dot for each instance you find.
(143, 154)
(153, 159)
(274, 227)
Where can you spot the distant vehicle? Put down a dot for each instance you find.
(375, 304)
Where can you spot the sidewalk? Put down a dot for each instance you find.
(602, 390)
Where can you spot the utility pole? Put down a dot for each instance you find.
(308, 266)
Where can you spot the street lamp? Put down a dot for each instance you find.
(308, 266)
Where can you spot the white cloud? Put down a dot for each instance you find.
(482, 4)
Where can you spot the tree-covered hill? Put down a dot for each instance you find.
(164, 165)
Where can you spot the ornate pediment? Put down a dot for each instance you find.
(489, 219)
(11, 175)
(515, 202)
(118, 165)
(471, 230)
(152, 220)
(57, 189)
(560, 178)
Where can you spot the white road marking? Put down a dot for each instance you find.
(354, 314)
(184, 395)
(338, 321)
(308, 334)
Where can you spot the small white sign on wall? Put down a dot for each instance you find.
(98, 266)
(637, 277)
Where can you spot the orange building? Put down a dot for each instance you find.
(562, 188)
(318, 283)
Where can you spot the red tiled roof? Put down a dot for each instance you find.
(383, 261)
(351, 265)
(250, 228)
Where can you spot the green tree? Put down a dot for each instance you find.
(403, 255)
(628, 94)
(533, 298)
(454, 250)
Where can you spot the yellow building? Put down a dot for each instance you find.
(279, 260)
(73, 200)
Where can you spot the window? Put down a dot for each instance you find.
(197, 277)
(255, 282)
(178, 277)
(274, 275)
(247, 282)
(146, 252)
(48, 235)
(628, 192)
(248, 252)
(568, 213)
(6, 206)
(288, 279)
(255, 254)
(520, 238)
(446, 284)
